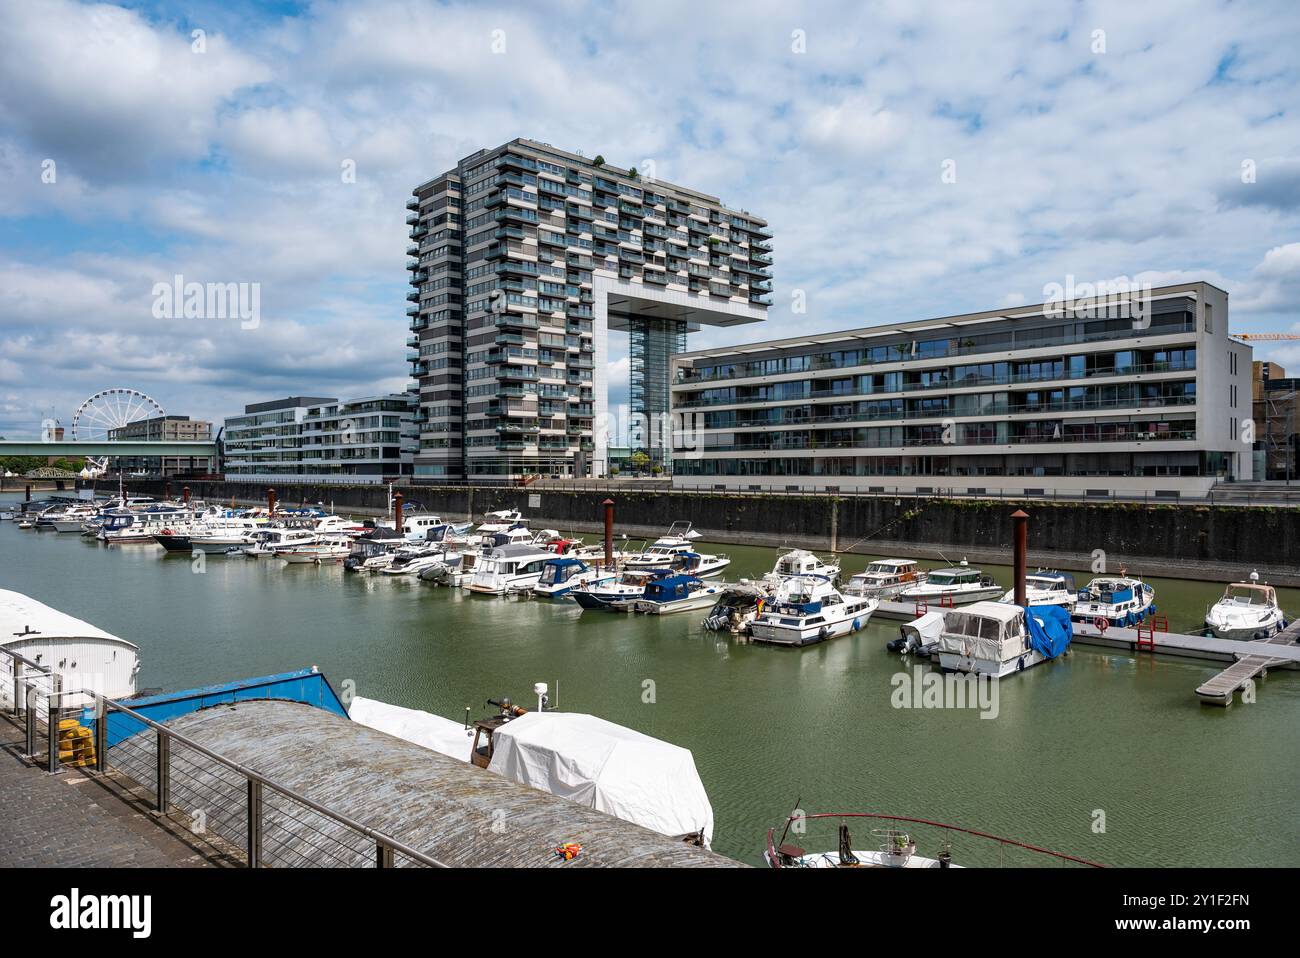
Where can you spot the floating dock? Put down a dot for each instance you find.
(1249, 659)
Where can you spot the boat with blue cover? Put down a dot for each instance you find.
(678, 593)
(997, 638)
(617, 594)
(1122, 601)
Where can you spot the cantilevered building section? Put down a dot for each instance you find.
(523, 258)
(1099, 400)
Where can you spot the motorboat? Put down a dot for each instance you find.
(893, 843)
(1048, 587)
(214, 536)
(319, 553)
(564, 573)
(955, 586)
(73, 519)
(268, 542)
(416, 528)
(658, 554)
(374, 550)
(699, 564)
(997, 639)
(810, 609)
(123, 526)
(885, 578)
(503, 520)
(511, 568)
(619, 593)
(412, 560)
(919, 636)
(799, 562)
(677, 593)
(1248, 611)
(454, 569)
(1120, 601)
(738, 605)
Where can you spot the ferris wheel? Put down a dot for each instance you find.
(106, 411)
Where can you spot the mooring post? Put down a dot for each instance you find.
(29, 492)
(835, 524)
(167, 490)
(397, 511)
(270, 501)
(1020, 548)
(609, 533)
(185, 494)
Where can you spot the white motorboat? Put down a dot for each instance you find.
(320, 553)
(214, 535)
(660, 553)
(810, 609)
(1047, 587)
(1248, 611)
(739, 604)
(885, 578)
(512, 568)
(562, 574)
(416, 528)
(799, 562)
(374, 550)
(412, 560)
(949, 587)
(267, 542)
(996, 638)
(455, 569)
(1118, 600)
(677, 593)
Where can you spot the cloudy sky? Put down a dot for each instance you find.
(1093, 139)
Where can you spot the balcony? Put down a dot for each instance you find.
(412, 219)
(413, 203)
(413, 250)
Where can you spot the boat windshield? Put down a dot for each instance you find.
(1245, 595)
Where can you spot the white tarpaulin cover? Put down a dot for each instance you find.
(422, 728)
(606, 767)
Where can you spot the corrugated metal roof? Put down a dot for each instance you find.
(457, 813)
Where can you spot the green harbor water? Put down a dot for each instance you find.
(1095, 733)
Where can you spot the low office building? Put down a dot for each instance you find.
(165, 429)
(1121, 397)
(315, 439)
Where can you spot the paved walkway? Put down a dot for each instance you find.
(73, 820)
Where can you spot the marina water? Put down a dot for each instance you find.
(1103, 755)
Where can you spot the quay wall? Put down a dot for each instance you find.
(1183, 540)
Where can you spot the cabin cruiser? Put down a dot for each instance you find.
(1047, 587)
(267, 542)
(73, 519)
(810, 609)
(677, 593)
(511, 568)
(214, 536)
(1248, 611)
(120, 527)
(618, 593)
(503, 520)
(454, 569)
(660, 553)
(885, 578)
(996, 638)
(416, 528)
(322, 552)
(564, 573)
(373, 550)
(1118, 600)
(799, 562)
(955, 586)
(412, 560)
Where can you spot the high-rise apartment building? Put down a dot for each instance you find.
(524, 257)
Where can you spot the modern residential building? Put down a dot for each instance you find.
(1095, 400)
(1273, 394)
(316, 439)
(523, 258)
(166, 429)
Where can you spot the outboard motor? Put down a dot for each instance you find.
(847, 858)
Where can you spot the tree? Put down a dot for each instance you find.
(639, 460)
(598, 161)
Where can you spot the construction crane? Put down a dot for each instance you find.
(1265, 337)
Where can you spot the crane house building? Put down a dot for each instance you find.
(1142, 393)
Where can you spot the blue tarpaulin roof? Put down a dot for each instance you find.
(1049, 629)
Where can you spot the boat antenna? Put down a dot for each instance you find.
(790, 818)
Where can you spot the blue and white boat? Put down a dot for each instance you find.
(1048, 587)
(810, 609)
(618, 594)
(563, 574)
(678, 593)
(1121, 600)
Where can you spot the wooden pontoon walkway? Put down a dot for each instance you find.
(1247, 658)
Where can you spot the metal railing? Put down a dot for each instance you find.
(272, 820)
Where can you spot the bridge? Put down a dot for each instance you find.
(78, 448)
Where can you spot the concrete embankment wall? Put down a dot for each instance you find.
(1211, 542)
